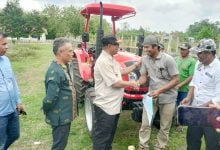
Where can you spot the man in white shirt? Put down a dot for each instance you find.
(204, 90)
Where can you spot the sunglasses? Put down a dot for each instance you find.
(115, 43)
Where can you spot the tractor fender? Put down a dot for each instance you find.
(84, 64)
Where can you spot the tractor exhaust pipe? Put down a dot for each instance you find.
(100, 34)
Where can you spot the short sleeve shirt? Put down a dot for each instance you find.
(160, 72)
(107, 71)
(186, 68)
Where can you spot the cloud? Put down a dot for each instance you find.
(29, 5)
(165, 15)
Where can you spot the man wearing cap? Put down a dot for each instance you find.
(162, 72)
(109, 89)
(186, 65)
(204, 90)
(161, 47)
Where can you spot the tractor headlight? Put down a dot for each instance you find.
(132, 76)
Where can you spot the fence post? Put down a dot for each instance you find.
(169, 44)
(177, 44)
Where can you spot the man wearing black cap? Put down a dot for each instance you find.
(109, 92)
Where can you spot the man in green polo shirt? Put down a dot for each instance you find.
(59, 104)
(186, 65)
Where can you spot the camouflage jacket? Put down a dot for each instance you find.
(58, 102)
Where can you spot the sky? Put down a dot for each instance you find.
(154, 15)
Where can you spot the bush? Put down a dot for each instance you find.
(18, 51)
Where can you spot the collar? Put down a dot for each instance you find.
(107, 55)
(210, 65)
(158, 56)
(63, 66)
(213, 62)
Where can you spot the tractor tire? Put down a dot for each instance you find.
(89, 109)
(78, 82)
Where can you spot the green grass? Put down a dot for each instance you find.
(30, 70)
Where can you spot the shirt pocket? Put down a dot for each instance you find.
(6, 80)
(116, 70)
(3, 87)
(209, 80)
(6, 73)
(161, 72)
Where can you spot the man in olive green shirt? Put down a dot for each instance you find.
(161, 71)
(186, 65)
(59, 104)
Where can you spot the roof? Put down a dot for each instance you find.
(108, 9)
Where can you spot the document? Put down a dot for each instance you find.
(148, 106)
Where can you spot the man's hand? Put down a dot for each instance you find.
(177, 87)
(216, 106)
(137, 64)
(186, 101)
(155, 94)
(20, 107)
(135, 84)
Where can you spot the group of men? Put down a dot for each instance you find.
(168, 86)
(165, 75)
(163, 82)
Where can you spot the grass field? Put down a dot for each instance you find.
(30, 61)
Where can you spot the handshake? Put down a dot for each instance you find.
(134, 84)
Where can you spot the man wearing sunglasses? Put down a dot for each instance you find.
(109, 89)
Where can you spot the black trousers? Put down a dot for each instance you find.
(195, 134)
(104, 129)
(60, 136)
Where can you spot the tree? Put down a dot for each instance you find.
(73, 20)
(34, 23)
(12, 21)
(128, 32)
(204, 29)
(17, 23)
(55, 25)
(94, 24)
(1, 18)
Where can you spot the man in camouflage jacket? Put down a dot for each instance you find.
(59, 104)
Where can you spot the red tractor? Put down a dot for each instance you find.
(84, 59)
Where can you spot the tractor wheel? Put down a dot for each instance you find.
(89, 109)
(79, 84)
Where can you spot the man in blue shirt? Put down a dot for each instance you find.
(10, 103)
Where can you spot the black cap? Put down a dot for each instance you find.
(109, 39)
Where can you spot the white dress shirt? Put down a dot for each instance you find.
(206, 83)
